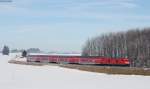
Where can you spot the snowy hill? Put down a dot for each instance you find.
(14, 76)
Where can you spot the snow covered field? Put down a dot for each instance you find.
(13, 76)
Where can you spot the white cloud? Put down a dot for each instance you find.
(111, 4)
(74, 9)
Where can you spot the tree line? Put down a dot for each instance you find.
(133, 44)
(6, 50)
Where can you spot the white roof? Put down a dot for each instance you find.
(58, 54)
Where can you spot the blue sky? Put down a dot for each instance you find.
(65, 25)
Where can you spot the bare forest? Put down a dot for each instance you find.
(133, 44)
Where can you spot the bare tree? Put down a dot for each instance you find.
(133, 44)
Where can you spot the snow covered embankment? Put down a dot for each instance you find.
(14, 76)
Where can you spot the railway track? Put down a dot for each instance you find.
(93, 68)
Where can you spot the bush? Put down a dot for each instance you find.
(5, 50)
(24, 53)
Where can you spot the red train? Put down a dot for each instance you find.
(78, 60)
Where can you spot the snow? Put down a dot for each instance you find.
(17, 57)
(13, 76)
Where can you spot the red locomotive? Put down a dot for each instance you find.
(78, 60)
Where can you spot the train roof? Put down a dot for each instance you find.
(65, 55)
(54, 54)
